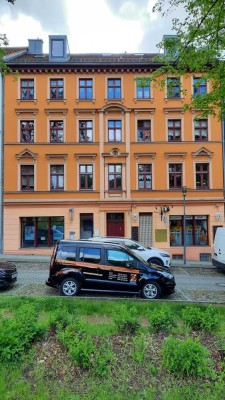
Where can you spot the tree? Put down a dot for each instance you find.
(199, 47)
(4, 42)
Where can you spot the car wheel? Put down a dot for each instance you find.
(69, 287)
(151, 290)
(155, 261)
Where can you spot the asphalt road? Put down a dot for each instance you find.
(192, 284)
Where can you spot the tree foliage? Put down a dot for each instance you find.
(198, 48)
(4, 42)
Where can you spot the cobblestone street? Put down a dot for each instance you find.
(194, 284)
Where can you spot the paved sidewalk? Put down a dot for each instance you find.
(41, 258)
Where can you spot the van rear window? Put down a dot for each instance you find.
(66, 252)
(89, 254)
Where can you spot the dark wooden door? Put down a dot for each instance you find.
(115, 224)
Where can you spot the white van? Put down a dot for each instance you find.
(218, 258)
(152, 255)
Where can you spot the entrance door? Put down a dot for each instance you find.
(115, 224)
(145, 229)
(86, 226)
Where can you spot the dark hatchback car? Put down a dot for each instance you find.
(8, 274)
(77, 265)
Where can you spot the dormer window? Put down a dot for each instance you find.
(58, 48)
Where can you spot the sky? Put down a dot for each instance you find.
(91, 26)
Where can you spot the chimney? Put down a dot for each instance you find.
(35, 46)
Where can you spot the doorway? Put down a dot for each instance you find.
(115, 224)
(86, 226)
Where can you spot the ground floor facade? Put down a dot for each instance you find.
(34, 228)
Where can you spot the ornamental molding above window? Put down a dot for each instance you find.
(26, 153)
(33, 111)
(144, 110)
(79, 156)
(141, 155)
(56, 156)
(112, 106)
(176, 154)
(173, 110)
(84, 111)
(203, 152)
(114, 152)
(56, 111)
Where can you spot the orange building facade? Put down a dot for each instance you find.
(90, 152)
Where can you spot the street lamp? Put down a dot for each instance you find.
(184, 192)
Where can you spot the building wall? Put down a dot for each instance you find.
(100, 201)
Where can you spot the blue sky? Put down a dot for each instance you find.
(92, 26)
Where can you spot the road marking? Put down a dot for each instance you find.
(186, 297)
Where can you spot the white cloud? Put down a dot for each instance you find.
(108, 26)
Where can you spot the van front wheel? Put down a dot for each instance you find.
(151, 290)
(69, 287)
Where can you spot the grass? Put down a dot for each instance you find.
(73, 349)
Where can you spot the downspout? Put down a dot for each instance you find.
(1, 159)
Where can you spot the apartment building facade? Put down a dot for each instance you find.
(88, 151)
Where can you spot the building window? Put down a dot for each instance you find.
(143, 91)
(41, 231)
(114, 88)
(201, 129)
(144, 176)
(27, 89)
(57, 177)
(27, 131)
(115, 176)
(173, 88)
(56, 131)
(202, 176)
(175, 176)
(199, 86)
(85, 89)
(144, 130)
(114, 131)
(174, 130)
(86, 177)
(85, 131)
(27, 177)
(196, 230)
(56, 89)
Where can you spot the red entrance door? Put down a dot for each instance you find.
(115, 224)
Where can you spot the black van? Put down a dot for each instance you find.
(79, 264)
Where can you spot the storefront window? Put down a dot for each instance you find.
(41, 231)
(196, 230)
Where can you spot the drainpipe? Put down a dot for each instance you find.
(1, 160)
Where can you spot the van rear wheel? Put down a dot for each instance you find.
(69, 287)
(151, 290)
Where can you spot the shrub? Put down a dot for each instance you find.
(17, 332)
(161, 319)
(127, 320)
(186, 357)
(206, 319)
(139, 347)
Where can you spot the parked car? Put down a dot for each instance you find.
(218, 258)
(151, 254)
(85, 264)
(8, 273)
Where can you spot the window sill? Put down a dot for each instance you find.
(85, 100)
(56, 101)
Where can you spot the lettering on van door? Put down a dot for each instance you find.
(120, 266)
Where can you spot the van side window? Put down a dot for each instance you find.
(66, 252)
(89, 254)
(119, 258)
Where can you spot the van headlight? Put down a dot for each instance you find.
(166, 274)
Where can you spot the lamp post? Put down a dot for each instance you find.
(184, 192)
